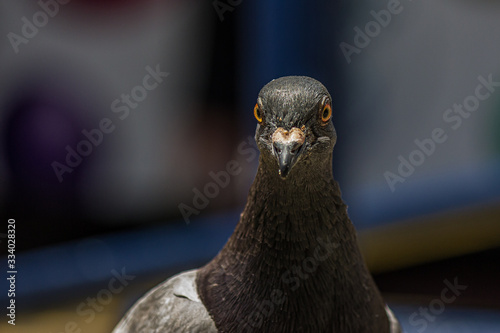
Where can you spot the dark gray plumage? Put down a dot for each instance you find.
(292, 263)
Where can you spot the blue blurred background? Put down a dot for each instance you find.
(115, 115)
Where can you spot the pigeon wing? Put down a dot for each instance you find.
(172, 306)
(394, 323)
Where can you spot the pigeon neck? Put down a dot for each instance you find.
(292, 263)
(302, 207)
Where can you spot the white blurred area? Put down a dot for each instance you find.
(91, 57)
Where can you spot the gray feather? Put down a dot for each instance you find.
(172, 306)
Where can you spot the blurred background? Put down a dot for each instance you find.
(115, 116)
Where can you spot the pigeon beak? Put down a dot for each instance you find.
(287, 148)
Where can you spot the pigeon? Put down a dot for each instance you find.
(293, 263)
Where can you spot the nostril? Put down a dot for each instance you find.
(289, 147)
(277, 147)
(296, 147)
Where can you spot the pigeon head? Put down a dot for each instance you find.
(294, 123)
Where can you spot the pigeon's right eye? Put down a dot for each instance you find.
(257, 113)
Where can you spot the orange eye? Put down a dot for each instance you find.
(326, 113)
(257, 113)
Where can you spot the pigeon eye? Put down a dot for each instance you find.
(257, 113)
(326, 113)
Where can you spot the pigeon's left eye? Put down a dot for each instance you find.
(326, 113)
(257, 113)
